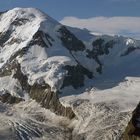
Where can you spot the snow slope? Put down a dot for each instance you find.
(104, 114)
(29, 121)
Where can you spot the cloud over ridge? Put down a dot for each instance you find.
(129, 26)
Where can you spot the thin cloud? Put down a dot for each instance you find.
(107, 25)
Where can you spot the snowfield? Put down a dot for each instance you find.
(27, 121)
(104, 114)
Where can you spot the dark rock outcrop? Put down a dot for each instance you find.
(132, 131)
(49, 100)
(8, 98)
(76, 76)
(39, 39)
(130, 50)
(19, 21)
(4, 36)
(14, 40)
(99, 48)
(21, 78)
(70, 41)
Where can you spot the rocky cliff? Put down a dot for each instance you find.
(132, 131)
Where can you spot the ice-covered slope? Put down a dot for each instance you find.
(104, 114)
(43, 60)
(29, 121)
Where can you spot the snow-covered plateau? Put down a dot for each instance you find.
(64, 83)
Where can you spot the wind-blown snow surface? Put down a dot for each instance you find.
(104, 114)
(48, 52)
(28, 121)
(101, 115)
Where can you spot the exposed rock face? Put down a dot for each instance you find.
(38, 39)
(49, 100)
(70, 41)
(100, 48)
(4, 36)
(8, 98)
(130, 50)
(19, 21)
(14, 40)
(76, 76)
(40, 92)
(23, 79)
(133, 129)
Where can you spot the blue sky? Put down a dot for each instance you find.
(78, 8)
(67, 11)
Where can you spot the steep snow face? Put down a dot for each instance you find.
(17, 28)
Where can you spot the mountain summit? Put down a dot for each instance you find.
(43, 60)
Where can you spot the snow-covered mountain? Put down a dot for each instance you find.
(87, 79)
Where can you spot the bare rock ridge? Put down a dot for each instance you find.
(50, 100)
